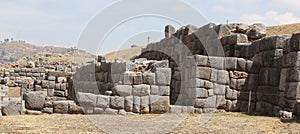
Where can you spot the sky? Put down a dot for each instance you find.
(64, 23)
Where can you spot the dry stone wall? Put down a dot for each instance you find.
(122, 87)
(243, 72)
(35, 88)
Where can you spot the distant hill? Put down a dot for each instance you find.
(73, 57)
(126, 54)
(14, 50)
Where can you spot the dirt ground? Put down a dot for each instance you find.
(218, 123)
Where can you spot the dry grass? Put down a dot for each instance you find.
(219, 123)
(125, 54)
(47, 124)
(283, 29)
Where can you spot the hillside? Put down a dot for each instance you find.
(70, 58)
(14, 50)
(126, 54)
(283, 29)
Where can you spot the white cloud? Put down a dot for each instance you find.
(270, 18)
(288, 4)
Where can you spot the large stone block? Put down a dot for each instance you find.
(141, 90)
(118, 67)
(251, 82)
(159, 64)
(136, 104)
(295, 42)
(293, 75)
(219, 89)
(208, 85)
(217, 62)
(122, 90)
(293, 90)
(231, 94)
(159, 104)
(274, 76)
(234, 39)
(128, 78)
(231, 63)
(211, 102)
(154, 90)
(214, 75)
(117, 102)
(200, 103)
(163, 76)
(221, 101)
(201, 93)
(103, 101)
(223, 77)
(138, 79)
(169, 31)
(201, 60)
(128, 104)
(35, 100)
(256, 31)
(75, 109)
(241, 64)
(61, 107)
(12, 107)
(263, 76)
(164, 90)
(86, 99)
(240, 84)
(145, 105)
(283, 79)
(204, 73)
(149, 78)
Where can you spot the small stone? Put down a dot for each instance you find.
(47, 110)
(33, 112)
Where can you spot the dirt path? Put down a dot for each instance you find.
(218, 123)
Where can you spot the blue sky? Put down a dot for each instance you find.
(61, 23)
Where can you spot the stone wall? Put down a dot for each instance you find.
(34, 88)
(230, 66)
(122, 87)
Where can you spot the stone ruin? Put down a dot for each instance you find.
(231, 67)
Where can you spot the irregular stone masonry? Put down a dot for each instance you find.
(142, 86)
(38, 84)
(267, 67)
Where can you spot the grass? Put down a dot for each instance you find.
(219, 123)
